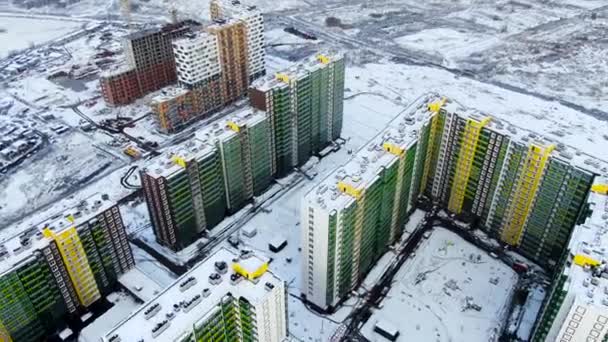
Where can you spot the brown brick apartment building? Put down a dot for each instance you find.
(150, 64)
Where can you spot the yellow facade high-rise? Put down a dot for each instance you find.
(76, 262)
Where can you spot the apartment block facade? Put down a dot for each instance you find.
(574, 308)
(352, 217)
(254, 27)
(305, 106)
(60, 268)
(226, 297)
(522, 188)
(214, 67)
(150, 64)
(191, 189)
(196, 59)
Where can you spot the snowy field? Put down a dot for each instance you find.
(51, 174)
(404, 83)
(536, 47)
(435, 294)
(22, 33)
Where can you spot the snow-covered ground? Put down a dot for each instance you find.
(435, 292)
(404, 83)
(51, 174)
(22, 33)
(124, 304)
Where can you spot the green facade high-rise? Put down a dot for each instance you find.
(305, 106)
(352, 217)
(296, 114)
(191, 188)
(521, 188)
(225, 298)
(45, 280)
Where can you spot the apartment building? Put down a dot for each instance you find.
(232, 43)
(197, 59)
(305, 106)
(150, 64)
(191, 188)
(254, 26)
(575, 308)
(227, 297)
(212, 69)
(60, 268)
(351, 218)
(524, 189)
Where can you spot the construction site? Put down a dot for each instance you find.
(210, 124)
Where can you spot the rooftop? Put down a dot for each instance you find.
(220, 24)
(167, 28)
(119, 69)
(204, 286)
(236, 7)
(589, 242)
(363, 168)
(297, 71)
(203, 143)
(403, 130)
(518, 134)
(18, 248)
(192, 40)
(169, 93)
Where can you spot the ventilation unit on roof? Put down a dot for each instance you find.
(235, 278)
(159, 328)
(194, 301)
(114, 338)
(322, 189)
(152, 311)
(186, 284)
(221, 267)
(269, 286)
(215, 278)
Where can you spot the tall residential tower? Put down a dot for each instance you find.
(191, 188)
(525, 190)
(305, 106)
(351, 218)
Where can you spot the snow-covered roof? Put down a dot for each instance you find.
(20, 247)
(236, 8)
(203, 143)
(590, 240)
(192, 40)
(169, 93)
(297, 71)
(364, 167)
(525, 136)
(193, 284)
(221, 24)
(116, 70)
